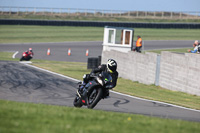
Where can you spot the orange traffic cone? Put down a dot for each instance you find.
(48, 51)
(87, 52)
(69, 51)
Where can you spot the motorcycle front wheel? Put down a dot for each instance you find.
(77, 102)
(22, 58)
(94, 97)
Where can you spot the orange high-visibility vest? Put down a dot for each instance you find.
(138, 44)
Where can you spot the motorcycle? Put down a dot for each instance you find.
(26, 56)
(96, 89)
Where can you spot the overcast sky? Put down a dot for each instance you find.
(129, 5)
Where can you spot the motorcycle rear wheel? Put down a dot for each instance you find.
(94, 97)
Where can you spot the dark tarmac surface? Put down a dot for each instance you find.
(19, 82)
(59, 51)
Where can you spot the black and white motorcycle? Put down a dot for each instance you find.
(95, 90)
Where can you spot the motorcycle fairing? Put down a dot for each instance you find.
(89, 86)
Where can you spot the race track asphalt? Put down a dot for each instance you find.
(59, 51)
(20, 82)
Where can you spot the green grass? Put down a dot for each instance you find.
(27, 34)
(157, 93)
(7, 56)
(72, 69)
(181, 50)
(19, 117)
(30, 34)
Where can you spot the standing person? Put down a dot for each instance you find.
(138, 44)
(196, 46)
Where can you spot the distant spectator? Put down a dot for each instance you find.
(196, 46)
(138, 44)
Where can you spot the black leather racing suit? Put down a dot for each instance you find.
(114, 75)
(101, 68)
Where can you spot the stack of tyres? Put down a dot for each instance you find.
(92, 63)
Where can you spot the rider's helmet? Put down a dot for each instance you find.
(30, 49)
(111, 65)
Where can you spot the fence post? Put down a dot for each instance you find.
(26, 10)
(76, 12)
(42, 11)
(85, 12)
(1, 10)
(171, 15)
(17, 11)
(10, 12)
(68, 11)
(60, 11)
(34, 11)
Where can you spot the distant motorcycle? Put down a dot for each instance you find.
(95, 90)
(26, 56)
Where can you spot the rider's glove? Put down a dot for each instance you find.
(100, 75)
(92, 74)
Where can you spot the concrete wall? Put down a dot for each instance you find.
(133, 65)
(179, 72)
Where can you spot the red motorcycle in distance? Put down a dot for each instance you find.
(28, 55)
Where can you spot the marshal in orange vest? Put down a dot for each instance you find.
(139, 42)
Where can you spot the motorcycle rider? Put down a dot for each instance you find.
(110, 67)
(30, 54)
(30, 51)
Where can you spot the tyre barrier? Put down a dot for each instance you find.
(100, 24)
(93, 62)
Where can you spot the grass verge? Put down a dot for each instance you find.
(32, 34)
(7, 56)
(19, 117)
(182, 50)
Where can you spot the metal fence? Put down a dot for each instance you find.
(96, 13)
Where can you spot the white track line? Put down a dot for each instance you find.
(155, 101)
(115, 91)
(15, 54)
